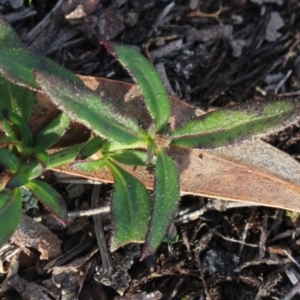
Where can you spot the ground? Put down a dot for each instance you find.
(211, 54)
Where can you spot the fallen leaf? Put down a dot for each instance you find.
(253, 172)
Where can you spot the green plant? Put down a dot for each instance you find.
(117, 139)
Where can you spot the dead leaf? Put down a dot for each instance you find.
(252, 172)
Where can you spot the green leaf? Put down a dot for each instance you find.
(10, 213)
(131, 208)
(17, 62)
(41, 156)
(17, 65)
(52, 200)
(32, 169)
(167, 195)
(8, 37)
(17, 180)
(22, 127)
(86, 107)
(148, 80)
(9, 160)
(235, 124)
(91, 147)
(35, 168)
(89, 166)
(7, 141)
(130, 157)
(52, 132)
(8, 128)
(63, 156)
(15, 98)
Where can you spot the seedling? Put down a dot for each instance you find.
(116, 140)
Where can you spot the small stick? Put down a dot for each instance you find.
(199, 14)
(105, 256)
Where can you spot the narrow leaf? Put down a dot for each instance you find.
(233, 125)
(8, 36)
(32, 169)
(130, 157)
(91, 147)
(52, 200)
(131, 208)
(17, 62)
(15, 98)
(17, 180)
(86, 107)
(148, 80)
(41, 156)
(10, 213)
(35, 168)
(7, 141)
(17, 65)
(21, 125)
(9, 160)
(63, 156)
(167, 195)
(52, 132)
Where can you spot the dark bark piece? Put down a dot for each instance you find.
(30, 290)
(33, 234)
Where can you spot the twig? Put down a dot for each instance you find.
(282, 82)
(216, 15)
(199, 265)
(89, 212)
(105, 256)
(292, 292)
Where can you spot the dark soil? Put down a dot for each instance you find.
(231, 52)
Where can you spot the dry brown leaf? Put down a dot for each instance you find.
(253, 172)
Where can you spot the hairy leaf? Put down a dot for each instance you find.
(8, 37)
(86, 107)
(10, 213)
(17, 62)
(131, 208)
(17, 65)
(35, 168)
(52, 132)
(167, 195)
(52, 200)
(148, 80)
(232, 125)
(130, 157)
(64, 156)
(91, 147)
